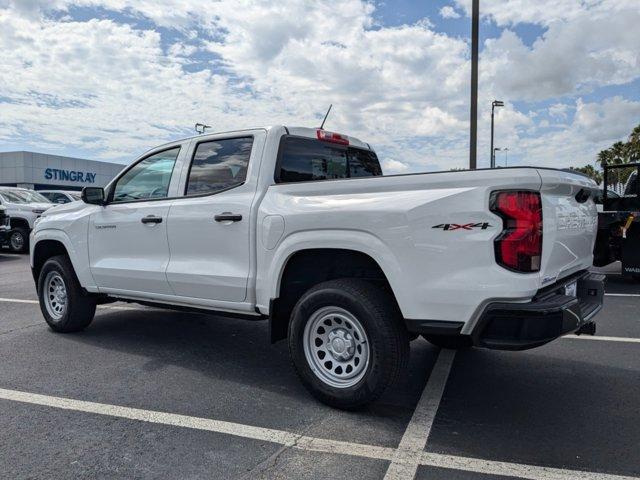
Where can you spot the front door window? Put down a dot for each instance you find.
(147, 180)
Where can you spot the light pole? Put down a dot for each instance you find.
(473, 131)
(493, 155)
(506, 155)
(494, 104)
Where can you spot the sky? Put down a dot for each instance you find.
(109, 79)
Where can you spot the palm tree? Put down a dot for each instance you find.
(635, 135)
(619, 153)
(633, 145)
(591, 172)
(605, 157)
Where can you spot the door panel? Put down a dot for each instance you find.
(209, 231)
(127, 254)
(209, 258)
(128, 246)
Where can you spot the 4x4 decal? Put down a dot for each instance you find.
(466, 226)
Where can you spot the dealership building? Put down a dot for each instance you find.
(41, 171)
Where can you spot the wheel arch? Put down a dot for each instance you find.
(309, 264)
(17, 222)
(49, 243)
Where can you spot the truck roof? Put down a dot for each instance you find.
(309, 132)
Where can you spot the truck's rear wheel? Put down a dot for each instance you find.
(64, 305)
(347, 342)
(19, 240)
(451, 342)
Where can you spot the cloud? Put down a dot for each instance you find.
(391, 166)
(545, 12)
(449, 12)
(592, 51)
(118, 85)
(266, 63)
(559, 110)
(595, 126)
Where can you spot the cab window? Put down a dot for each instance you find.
(306, 159)
(218, 165)
(148, 179)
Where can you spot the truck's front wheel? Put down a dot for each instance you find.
(19, 240)
(347, 342)
(64, 305)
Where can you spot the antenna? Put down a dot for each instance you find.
(325, 117)
(201, 127)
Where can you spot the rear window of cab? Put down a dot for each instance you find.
(306, 159)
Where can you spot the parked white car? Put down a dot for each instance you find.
(299, 226)
(24, 207)
(60, 196)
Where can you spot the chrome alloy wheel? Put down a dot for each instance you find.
(55, 295)
(336, 347)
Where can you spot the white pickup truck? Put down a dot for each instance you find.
(23, 207)
(298, 226)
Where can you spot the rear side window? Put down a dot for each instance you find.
(305, 159)
(363, 163)
(218, 165)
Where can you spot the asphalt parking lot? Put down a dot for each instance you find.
(148, 393)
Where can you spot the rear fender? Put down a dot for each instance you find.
(270, 274)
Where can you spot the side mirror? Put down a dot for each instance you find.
(93, 195)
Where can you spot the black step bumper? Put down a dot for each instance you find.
(519, 326)
(549, 315)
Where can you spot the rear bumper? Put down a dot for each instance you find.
(519, 326)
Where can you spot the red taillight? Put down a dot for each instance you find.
(519, 246)
(332, 137)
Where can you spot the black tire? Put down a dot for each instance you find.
(19, 240)
(79, 308)
(377, 313)
(450, 342)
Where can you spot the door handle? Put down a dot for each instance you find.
(228, 217)
(151, 219)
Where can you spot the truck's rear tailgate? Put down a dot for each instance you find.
(569, 224)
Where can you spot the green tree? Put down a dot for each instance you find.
(622, 152)
(619, 151)
(605, 157)
(591, 172)
(633, 145)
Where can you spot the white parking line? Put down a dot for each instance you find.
(405, 461)
(413, 457)
(603, 339)
(622, 294)
(518, 470)
(17, 300)
(218, 426)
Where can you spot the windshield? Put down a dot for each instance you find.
(22, 196)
